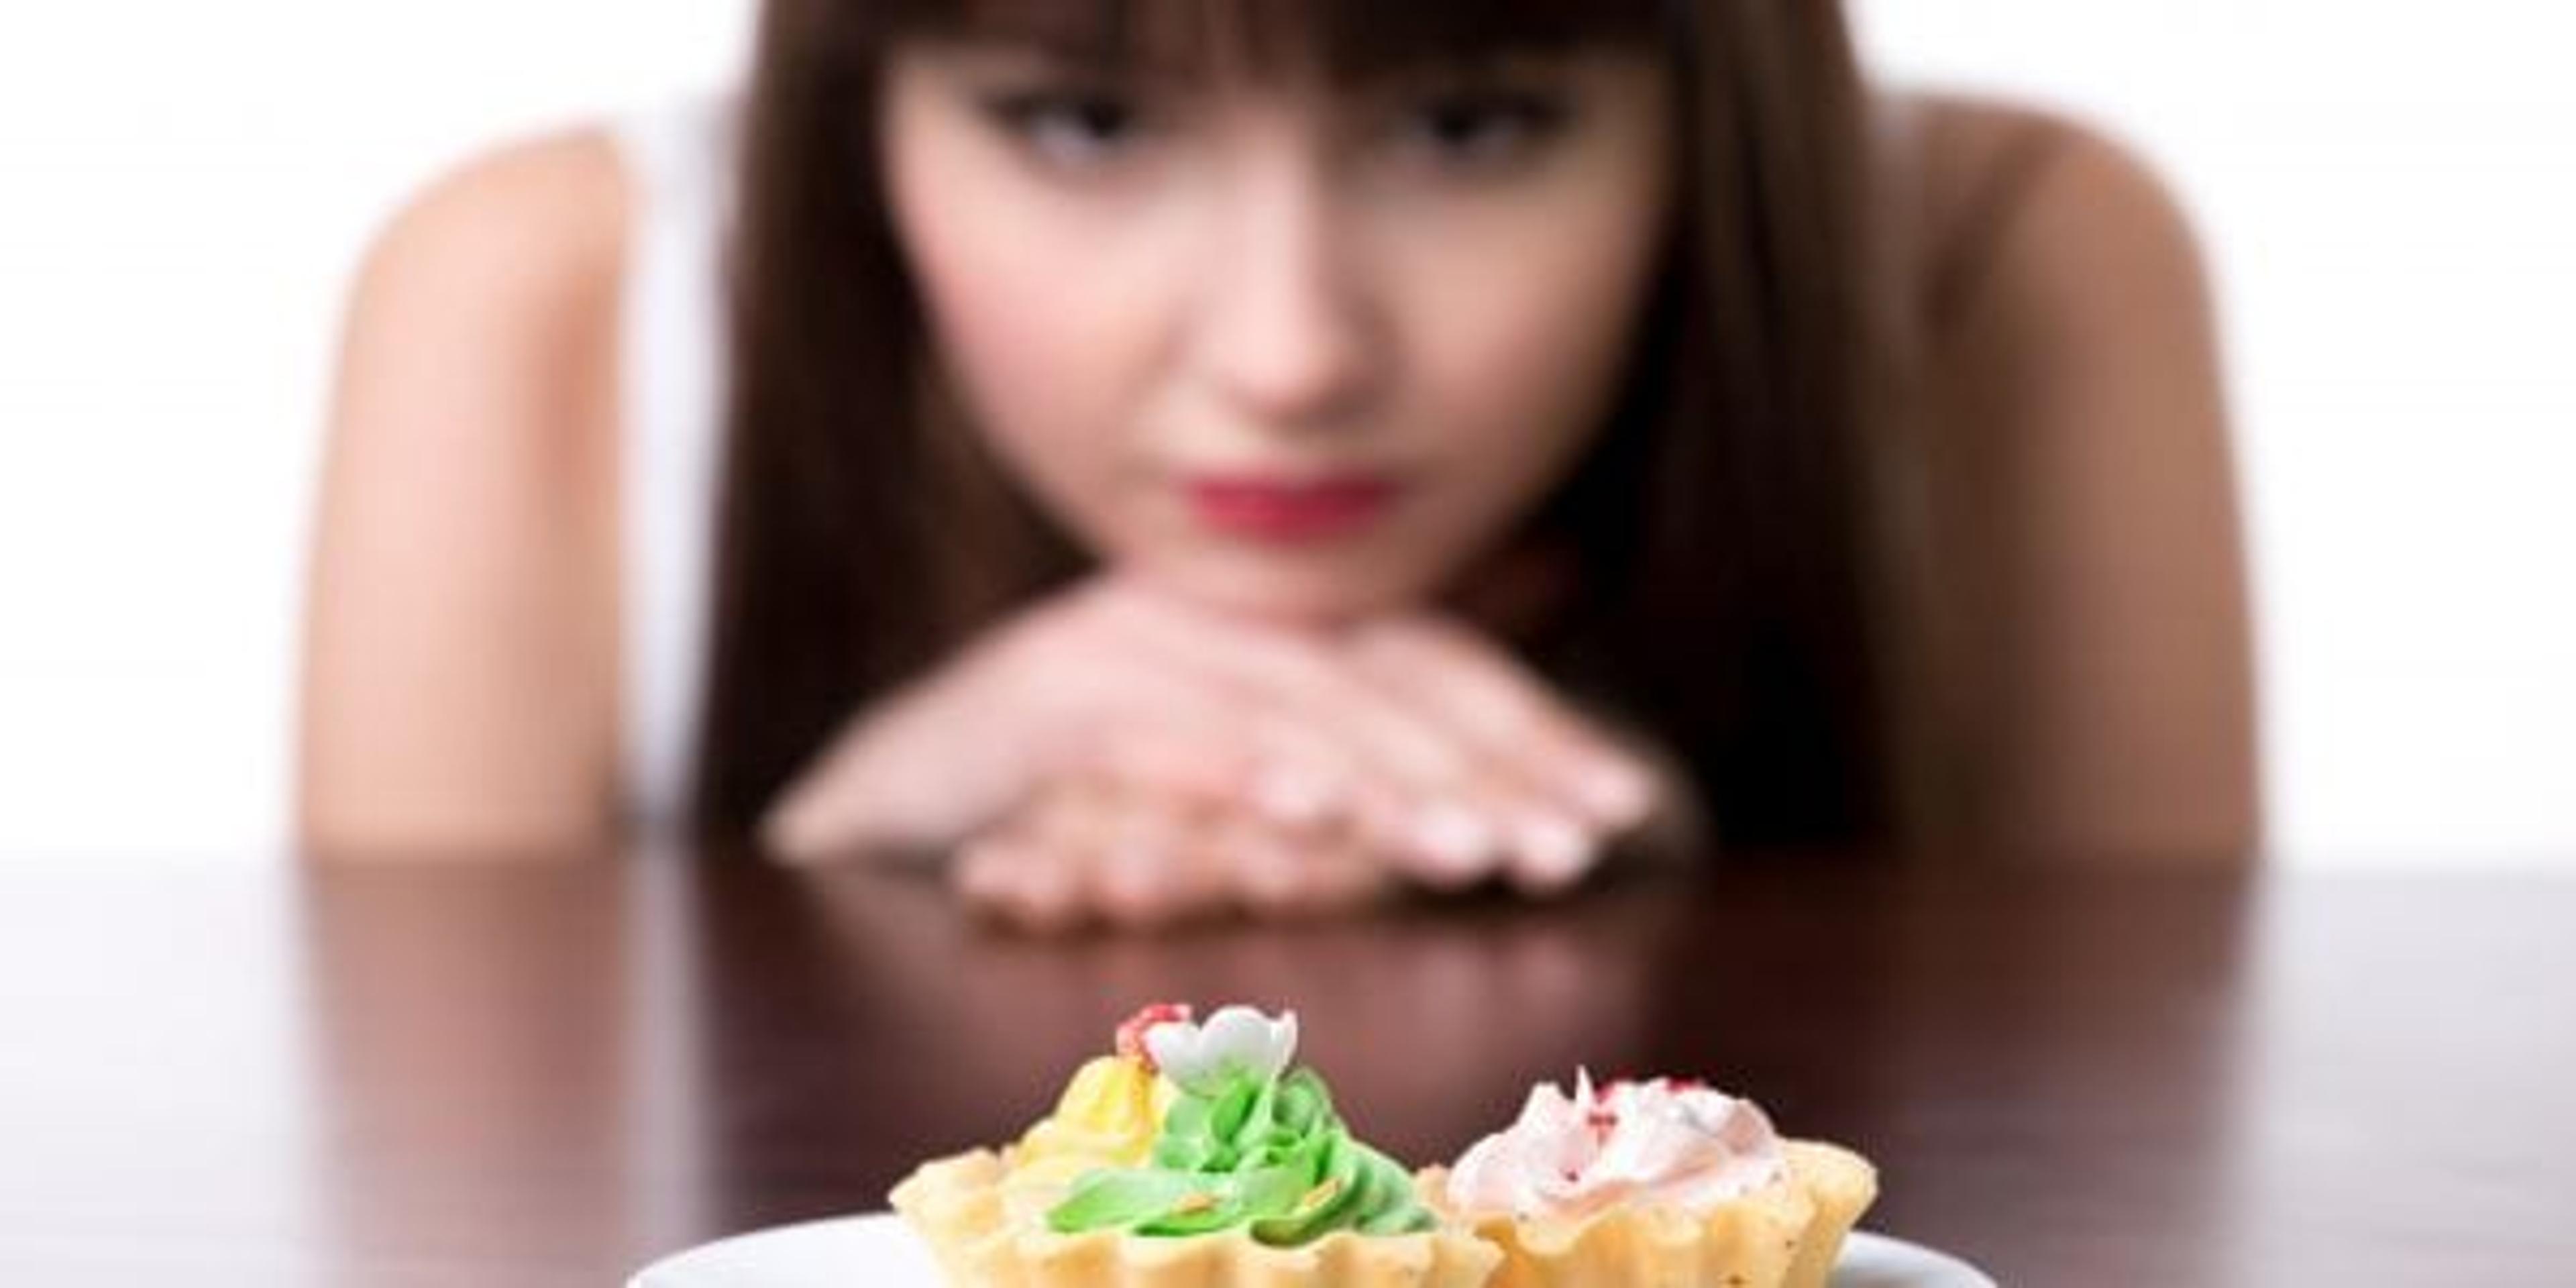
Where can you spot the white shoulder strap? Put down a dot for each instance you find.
(680, 163)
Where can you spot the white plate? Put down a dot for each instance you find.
(878, 1251)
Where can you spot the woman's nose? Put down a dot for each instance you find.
(1287, 332)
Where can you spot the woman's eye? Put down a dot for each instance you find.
(1480, 129)
(1070, 129)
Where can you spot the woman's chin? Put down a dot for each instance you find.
(1318, 593)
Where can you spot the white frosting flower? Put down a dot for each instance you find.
(1235, 1040)
(1659, 1143)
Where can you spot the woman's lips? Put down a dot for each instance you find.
(1292, 510)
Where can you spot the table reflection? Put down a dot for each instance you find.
(506, 1055)
(566, 1071)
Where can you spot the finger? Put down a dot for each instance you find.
(1414, 783)
(947, 759)
(1534, 752)
(1511, 717)
(1551, 856)
(1341, 874)
(1539, 845)
(1276, 874)
(1024, 885)
(1169, 719)
(1033, 868)
(1301, 674)
(1431, 799)
(1262, 865)
(1150, 867)
(1238, 765)
(986, 874)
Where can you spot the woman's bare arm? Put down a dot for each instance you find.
(459, 688)
(2084, 472)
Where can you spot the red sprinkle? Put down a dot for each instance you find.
(1131, 1035)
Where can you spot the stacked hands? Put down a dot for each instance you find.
(1116, 754)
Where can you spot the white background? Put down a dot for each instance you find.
(2388, 191)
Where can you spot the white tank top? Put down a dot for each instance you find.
(679, 160)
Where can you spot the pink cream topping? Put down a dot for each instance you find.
(1659, 1144)
(1132, 1035)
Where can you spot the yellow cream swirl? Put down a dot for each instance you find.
(1108, 1116)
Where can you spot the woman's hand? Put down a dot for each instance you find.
(1441, 758)
(1101, 849)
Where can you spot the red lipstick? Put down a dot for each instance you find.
(1292, 510)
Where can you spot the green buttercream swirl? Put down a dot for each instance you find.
(1270, 1155)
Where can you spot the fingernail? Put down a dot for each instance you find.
(1294, 797)
(1456, 836)
(1557, 848)
(1267, 872)
(1619, 795)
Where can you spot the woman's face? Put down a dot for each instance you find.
(1289, 346)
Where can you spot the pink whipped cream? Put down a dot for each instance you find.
(1660, 1143)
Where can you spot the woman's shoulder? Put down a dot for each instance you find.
(2012, 198)
(523, 239)
(2077, 571)
(494, 287)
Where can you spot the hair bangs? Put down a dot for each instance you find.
(1349, 39)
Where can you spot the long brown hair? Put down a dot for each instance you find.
(1722, 593)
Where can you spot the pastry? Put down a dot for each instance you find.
(1196, 1155)
(1659, 1184)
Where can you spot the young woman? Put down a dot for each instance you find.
(1181, 454)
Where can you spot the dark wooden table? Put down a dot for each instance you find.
(496, 1076)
